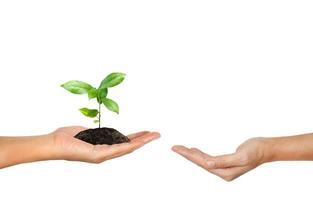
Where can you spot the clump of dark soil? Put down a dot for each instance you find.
(102, 136)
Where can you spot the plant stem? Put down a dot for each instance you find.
(99, 115)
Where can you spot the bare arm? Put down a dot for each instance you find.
(299, 147)
(15, 150)
(251, 154)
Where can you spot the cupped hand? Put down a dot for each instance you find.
(248, 156)
(69, 148)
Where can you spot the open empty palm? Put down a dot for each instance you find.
(247, 156)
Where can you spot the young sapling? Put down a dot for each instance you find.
(100, 135)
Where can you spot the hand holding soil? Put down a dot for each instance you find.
(62, 145)
(70, 148)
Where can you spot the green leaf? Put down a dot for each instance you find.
(112, 80)
(92, 93)
(76, 87)
(111, 105)
(102, 94)
(96, 121)
(89, 112)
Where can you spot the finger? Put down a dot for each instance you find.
(198, 157)
(147, 137)
(135, 135)
(224, 161)
(227, 174)
(116, 150)
(139, 142)
(135, 145)
(207, 159)
(191, 155)
(106, 152)
(181, 150)
(199, 151)
(201, 159)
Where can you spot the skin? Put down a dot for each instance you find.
(61, 145)
(251, 154)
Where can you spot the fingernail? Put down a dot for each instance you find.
(175, 148)
(157, 135)
(210, 164)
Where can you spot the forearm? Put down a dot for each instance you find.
(299, 147)
(16, 150)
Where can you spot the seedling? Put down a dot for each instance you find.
(100, 94)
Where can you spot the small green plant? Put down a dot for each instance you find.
(100, 93)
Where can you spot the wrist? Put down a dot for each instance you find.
(33, 148)
(46, 148)
(268, 146)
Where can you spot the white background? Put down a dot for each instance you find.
(209, 74)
